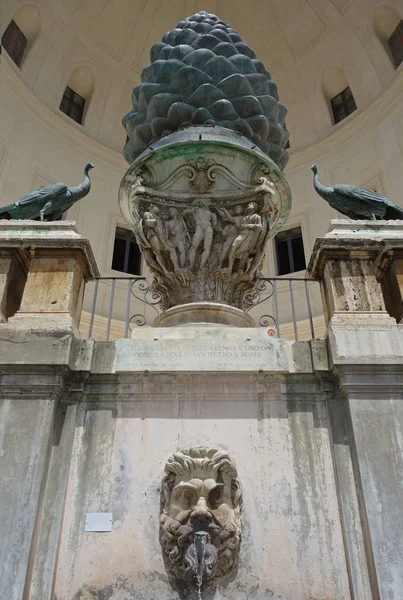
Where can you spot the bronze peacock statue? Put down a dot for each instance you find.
(48, 203)
(357, 202)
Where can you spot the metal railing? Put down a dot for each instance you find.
(267, 288)
(137, 288)
(114, 306)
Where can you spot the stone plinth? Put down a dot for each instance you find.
(355, 263)
(359, 264)
(44, 266)
(314, 429)
(202, 314)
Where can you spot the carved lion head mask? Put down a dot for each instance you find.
(201, 494)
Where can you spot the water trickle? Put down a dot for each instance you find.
(201, 540)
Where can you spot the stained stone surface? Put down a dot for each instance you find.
(203, 73)
(200, 524)
(314, 429)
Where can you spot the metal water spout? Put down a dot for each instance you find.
(201, 542)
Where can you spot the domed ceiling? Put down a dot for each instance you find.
(280, 31)
(295, 39)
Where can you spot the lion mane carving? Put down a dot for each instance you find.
(200, 493)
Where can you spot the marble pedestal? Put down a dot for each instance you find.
(43, 266)
(203, 203)
(204, 314)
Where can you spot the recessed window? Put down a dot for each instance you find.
(72, 105)
(388, 26)
(396, 44)
(343, 105)
(290, 251)
(14, 42)
(126, 253)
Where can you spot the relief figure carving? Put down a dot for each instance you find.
(205, 220)
(177, 233)
(159, 243)
(230, 231)
(203, 229)
(245, 244)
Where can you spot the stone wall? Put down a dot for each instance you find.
(314, 428)
(107, 453)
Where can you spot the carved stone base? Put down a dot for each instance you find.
(203, 204)
(204, 313)
(203, 285)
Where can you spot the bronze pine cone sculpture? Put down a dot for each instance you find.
(203, 74)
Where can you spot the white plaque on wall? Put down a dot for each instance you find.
(98, 522)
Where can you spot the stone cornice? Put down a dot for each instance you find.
(371, 381)
(58, 237)
(384, 104)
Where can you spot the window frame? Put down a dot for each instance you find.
(344, 101)
(399, 31)
(129, 238)
(17, 33)
(291, 263)
(71, 104)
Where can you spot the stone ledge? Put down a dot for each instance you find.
(176, 350)
(362, 240)
(37, 236)
(369, 347)
(20, 229)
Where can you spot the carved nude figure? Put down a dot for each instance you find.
(205, 220)
(177, 233)
(230, 230)
(158, 240)
(201, 495)
(245, 244)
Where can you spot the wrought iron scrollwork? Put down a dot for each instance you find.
(262, 292)
(141, 290)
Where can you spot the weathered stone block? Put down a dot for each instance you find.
(43, 265)
(344, 262)
(389, 270)
(13, 273)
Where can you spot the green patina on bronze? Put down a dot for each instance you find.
(48, 203)
(357, 202)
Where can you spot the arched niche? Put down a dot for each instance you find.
(337, 92)
(386, 20)
(21, 33)
(78, 93)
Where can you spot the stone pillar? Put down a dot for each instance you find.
(359, 264)
(344, 262)
(44, 267)
(42, 271)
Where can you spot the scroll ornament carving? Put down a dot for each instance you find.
(203, 244)
(201, 494)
